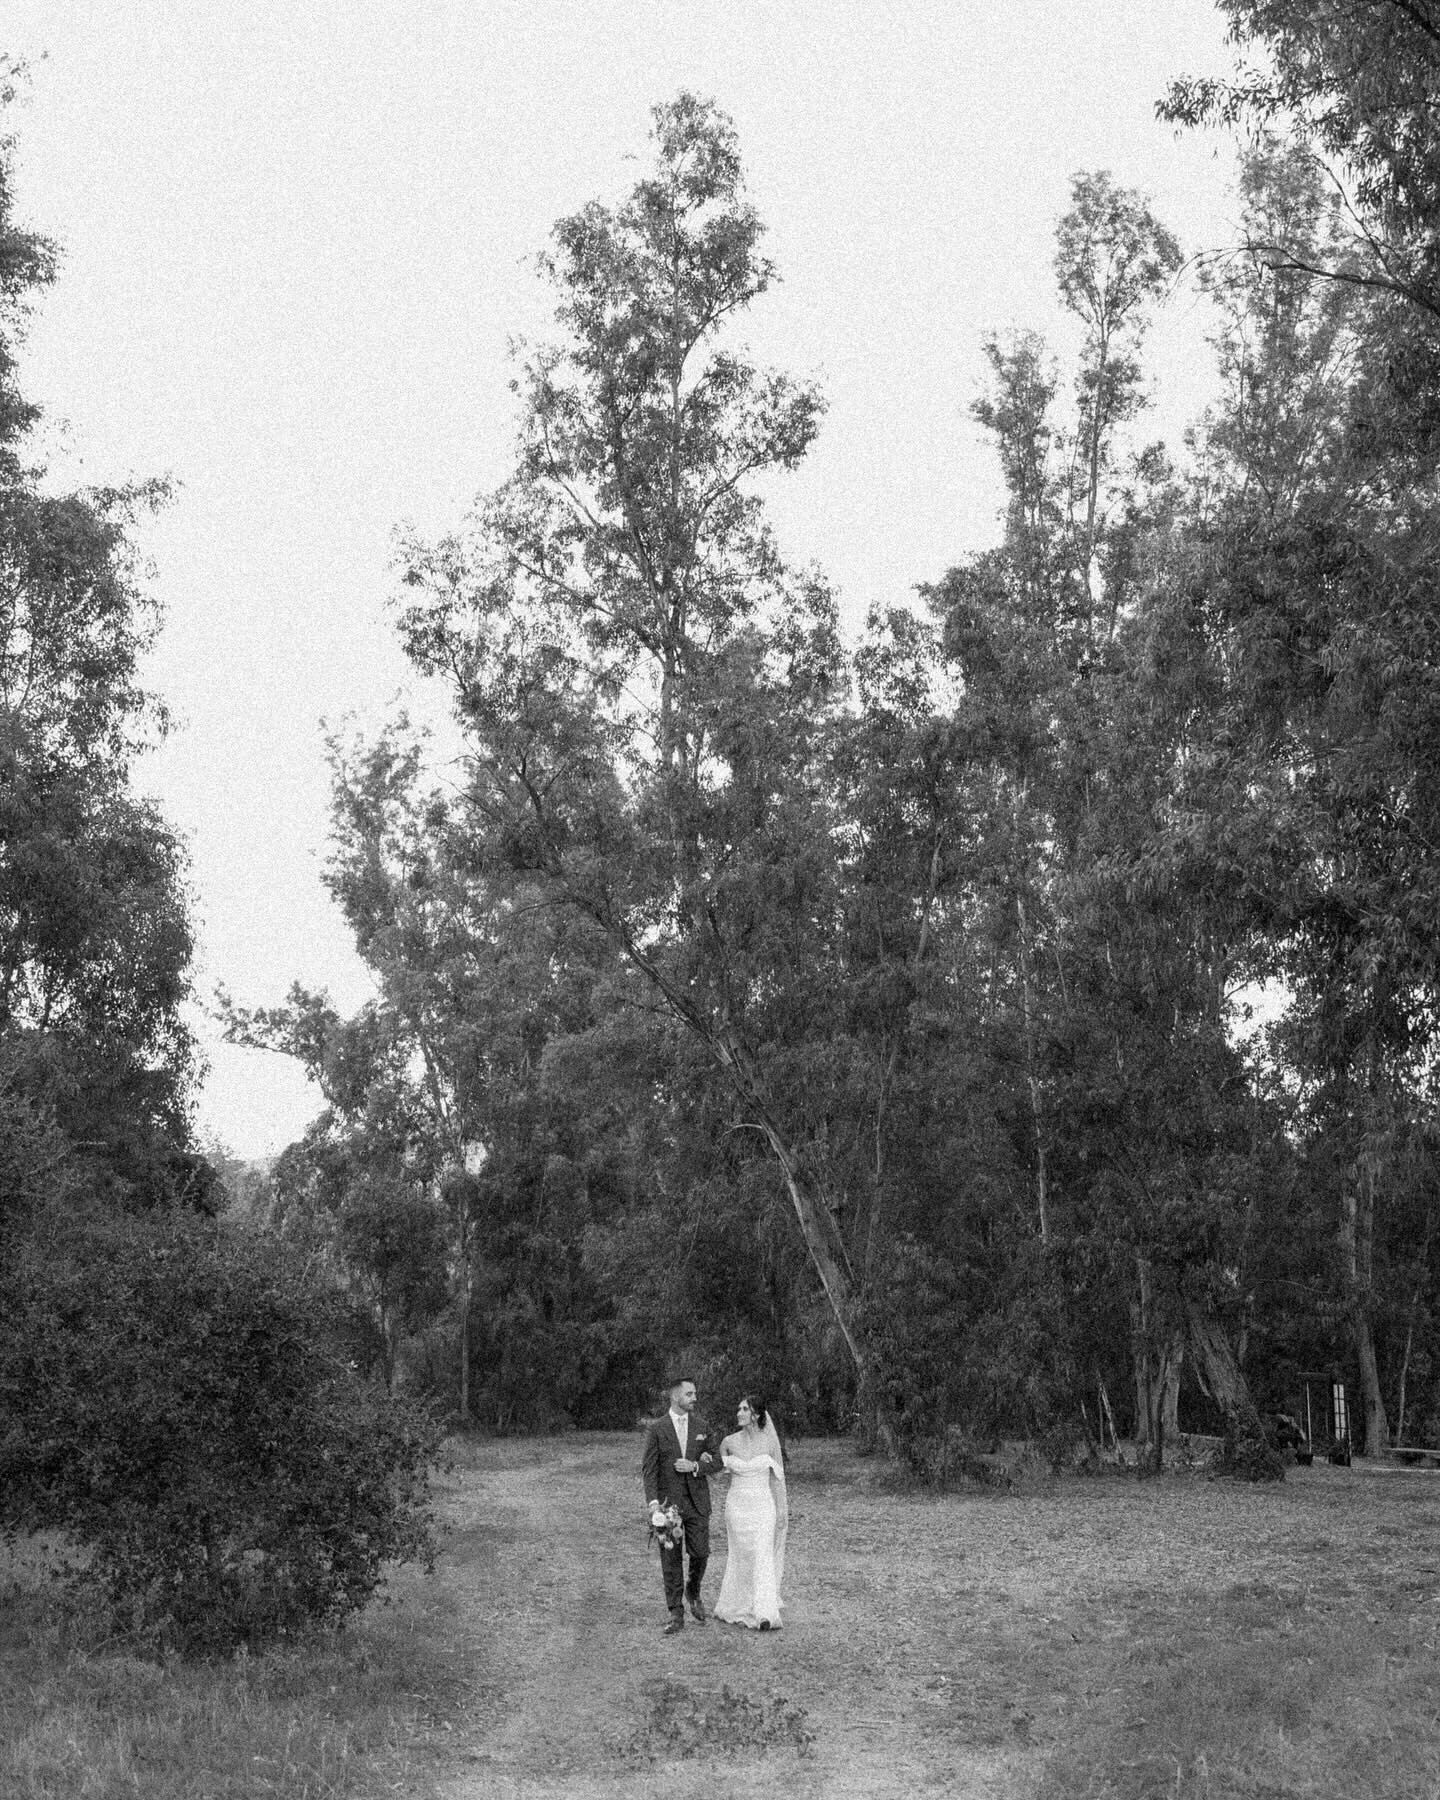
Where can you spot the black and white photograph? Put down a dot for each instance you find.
(719, 900)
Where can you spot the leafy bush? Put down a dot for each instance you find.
(964, 1362)
(1246, 1453)
(177, 1396)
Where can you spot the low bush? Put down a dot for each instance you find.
(1246, 1453)
(964, 1362)
(681, 1724)
(178, 1397)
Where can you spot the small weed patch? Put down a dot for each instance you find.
(682, 1723)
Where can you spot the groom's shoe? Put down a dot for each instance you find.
(677, 1622)
(697, 1607)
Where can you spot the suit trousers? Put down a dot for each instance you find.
(672, 1562)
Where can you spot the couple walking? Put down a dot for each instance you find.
(681, 1456)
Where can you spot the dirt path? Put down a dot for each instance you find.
(972, 1645)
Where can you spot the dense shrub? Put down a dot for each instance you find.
(917, 1325)
(1246, 1453)
(178, 1397)
(966, 1359)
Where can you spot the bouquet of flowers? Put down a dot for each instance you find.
(670, 1532)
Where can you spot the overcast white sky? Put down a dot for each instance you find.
(297, 238)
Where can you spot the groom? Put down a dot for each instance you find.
(681, 1453)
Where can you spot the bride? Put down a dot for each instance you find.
(756, 1521)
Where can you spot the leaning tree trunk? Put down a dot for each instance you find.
(821, 1234)
(818, 1229)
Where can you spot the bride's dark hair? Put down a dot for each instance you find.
(756, 1403)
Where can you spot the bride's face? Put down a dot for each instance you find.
(745, 1416)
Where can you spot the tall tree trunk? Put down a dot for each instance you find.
(1140, 1353)
(875, 1222)
(1404, 1373)
(1410, 1326)
(1157, 1352)
(1170, 1389)
(1140, 1363)
(1092, 481)
(1033, 1079)
(1357, 1238)
(465, 1303)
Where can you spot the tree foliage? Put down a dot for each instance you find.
(176, 1398)
(874, 1012)
(94, 935)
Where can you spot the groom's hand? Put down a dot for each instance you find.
(682, 1467)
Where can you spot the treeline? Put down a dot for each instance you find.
(179, 1397)
(859, 1017)
(870, 1016)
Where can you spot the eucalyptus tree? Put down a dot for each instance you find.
(94, 934)
(1083, 703)
(644, 685)
(1356, 86)
(1113, 263)
(1317, 548)
(435, 1101)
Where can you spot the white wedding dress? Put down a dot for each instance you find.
(756, 1523)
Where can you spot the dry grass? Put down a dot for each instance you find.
(1099, 1639)
(359, 1714)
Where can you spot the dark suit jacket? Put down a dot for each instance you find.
(688, 1493)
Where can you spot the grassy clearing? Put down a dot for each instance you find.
(359, 1714)
(1107, 1639)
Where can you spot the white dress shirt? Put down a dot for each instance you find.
(681, 1422)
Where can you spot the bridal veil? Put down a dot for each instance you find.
(778, 1494)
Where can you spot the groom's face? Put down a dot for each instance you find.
(683, 1397)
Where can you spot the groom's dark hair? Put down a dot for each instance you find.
(678, 1381)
